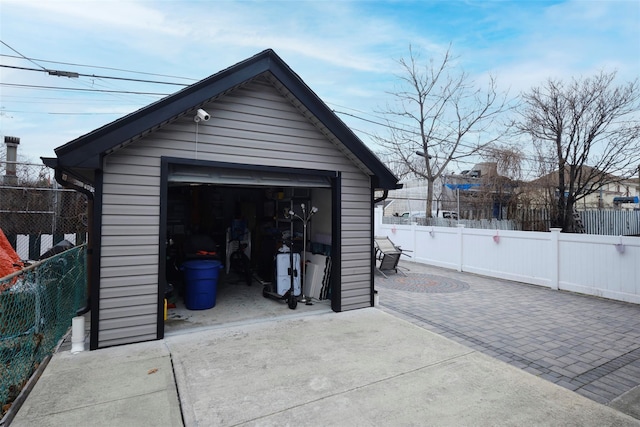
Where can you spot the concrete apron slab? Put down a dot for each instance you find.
(127, 385)
(357, 368)
(629, 403)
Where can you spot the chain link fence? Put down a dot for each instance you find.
(37, 305)
(36, 213)
(45, 282)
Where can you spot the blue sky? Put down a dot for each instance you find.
(346, 51)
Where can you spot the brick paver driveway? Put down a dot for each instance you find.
(587, 344)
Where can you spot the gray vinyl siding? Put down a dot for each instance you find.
(129, 252)
(252, 125)
(356, 242)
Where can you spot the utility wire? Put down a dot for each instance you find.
(65, 114)
(462, 161)
(73, 74)
(82, 90)
(22, 56)
(165, 94)
(103, 68)
(367, 120)
(416, 133)
(34, 100)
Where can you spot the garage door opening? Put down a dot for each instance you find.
(239, 221)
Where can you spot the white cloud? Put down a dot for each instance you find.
(345, 51)
(568, 39)
(114, 15)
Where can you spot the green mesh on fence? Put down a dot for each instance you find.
(36, 308)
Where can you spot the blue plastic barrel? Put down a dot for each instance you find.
(201, 283)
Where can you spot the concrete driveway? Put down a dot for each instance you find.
(359, 368)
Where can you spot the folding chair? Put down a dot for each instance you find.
(388, 255)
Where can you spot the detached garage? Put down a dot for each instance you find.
(248, 145)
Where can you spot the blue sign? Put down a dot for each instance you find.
(625, 199)
(461, 186)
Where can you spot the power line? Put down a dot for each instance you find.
(90, 88)
(74, 74)
(22, 56)
(70, 74)
(65, 114)
(35, 100)
(103, 68)
(164, 94)
(368, 120)
(388, 126)
(461, 161)
(82, 90)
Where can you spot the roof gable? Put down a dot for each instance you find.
(588, 174)
(86, 151)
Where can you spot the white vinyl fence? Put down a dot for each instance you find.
(612, 223)
(604, 266)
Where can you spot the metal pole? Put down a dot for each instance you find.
(55, 208)
(458, 197)
(291, 265)
(303, 272)
(305, 218)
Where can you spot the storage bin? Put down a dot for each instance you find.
(201, 283)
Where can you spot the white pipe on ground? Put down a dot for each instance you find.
(77, 334)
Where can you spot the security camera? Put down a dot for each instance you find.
(201, 115)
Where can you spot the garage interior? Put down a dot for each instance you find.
(206, 210)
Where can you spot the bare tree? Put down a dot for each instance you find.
(592, 128)
(509, 160)
(504, 187)
(398, 168)
(442, 114)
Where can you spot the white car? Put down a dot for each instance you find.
(414, 215)
(434, 214)
(449, 214)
